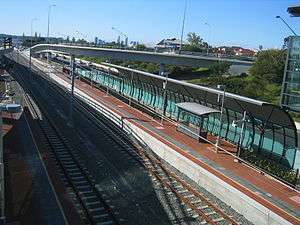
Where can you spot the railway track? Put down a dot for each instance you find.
(93, 207)
(77, 177)
(198, 205)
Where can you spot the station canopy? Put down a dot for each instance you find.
(196, 109)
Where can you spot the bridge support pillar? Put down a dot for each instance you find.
(161, 69)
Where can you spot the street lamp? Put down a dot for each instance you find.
(209, 26)
(183, 23)
(121, 33)
(48, 38)
(49, 11)
(279, 17)
(221, 87)
(31, 31)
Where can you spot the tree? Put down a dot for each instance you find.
(269, 65)
(141, 47)
(219, 68)
(194, 39)
(195, 43)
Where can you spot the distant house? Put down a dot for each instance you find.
(236, 51)
(169, 44)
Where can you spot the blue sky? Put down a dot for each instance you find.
(247, 23)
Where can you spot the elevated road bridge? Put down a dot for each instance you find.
(142, 56)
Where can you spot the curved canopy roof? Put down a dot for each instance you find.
(258, 110)
(196, 108)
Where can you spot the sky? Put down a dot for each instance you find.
(246, 23)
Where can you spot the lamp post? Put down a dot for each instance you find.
(279, 17)
(121, 33)
(209, 26)
(48, 30)
(183, 23)
(31, 31)
(222, 87)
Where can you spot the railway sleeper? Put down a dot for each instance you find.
(100, 216)
(98, 209)
(92, 203)
(87, 198)
(79, 182)
(106, 223)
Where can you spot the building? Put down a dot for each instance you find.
(96, 40)
(236, 51)
(169, 44)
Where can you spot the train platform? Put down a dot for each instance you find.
(272, 194)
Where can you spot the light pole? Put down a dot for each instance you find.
(120, 32)
(183, 23)
(31, 31)
(48, 30)
(279, 17)
(221, 115)
(209, 26)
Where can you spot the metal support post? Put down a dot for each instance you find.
(221, 119)
(131, 83)
(164, 96)
(72, 65)
(161, 69)
(241, 135)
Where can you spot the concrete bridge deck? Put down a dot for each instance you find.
(129, 55)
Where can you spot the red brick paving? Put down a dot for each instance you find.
(262, 182)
